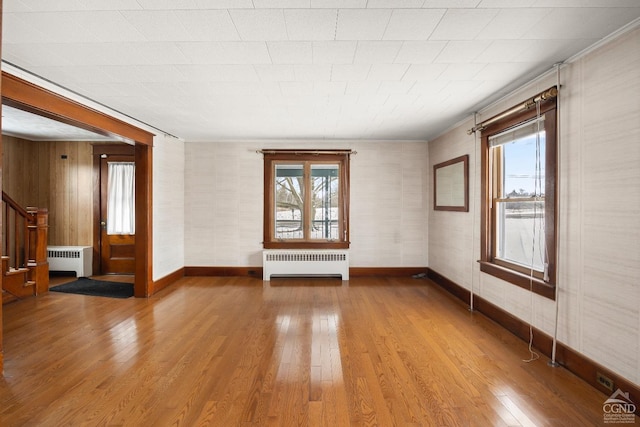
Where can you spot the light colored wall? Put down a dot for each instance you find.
(168, 205)
(224, 202)
(599, 223)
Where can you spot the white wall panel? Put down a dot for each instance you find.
(168, 206)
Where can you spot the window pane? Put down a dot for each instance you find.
(517, 224)
(325, 186)
(524, 171)
(289, 197)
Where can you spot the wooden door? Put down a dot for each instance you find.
(117, 251)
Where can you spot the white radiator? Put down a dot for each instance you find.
(71, 258)
(305, 263)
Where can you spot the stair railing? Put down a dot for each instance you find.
(24, 240)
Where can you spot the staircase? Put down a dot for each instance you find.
(25, 270)
(15, 282)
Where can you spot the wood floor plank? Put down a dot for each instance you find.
(239, 352)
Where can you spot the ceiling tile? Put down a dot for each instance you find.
(16, 29)
(418, 72)
(143, 73)
(278, 4)
(223, 4)
(296, 89)
(207, 25)
(108, 26)
(110, 4)
(260, 24)
(428, 89)
(503, 72)
(462, 51)
(387, 71)
(549, 51)
(504, 50)
(349, 72)
(400, 4)
(512, 24)
(341, 52)
(39, 54)
(275, 73)
(15, 6)
(158, 25)
(290, 52)
(168, 4)
(581, 23)
(362, 88)
(344, 4)
(505, 4)
(219, 73)
(461, 71)
(311, 24)
(585, 3)
(412, 24)
(362, 24)
(60, 27)
(419, 52)
(329, 89)
(49, 6)
(391, 88)
(451, 4)
(462, 24)
(226, 52)
(148, 53)
(370, 52)
(311, 73)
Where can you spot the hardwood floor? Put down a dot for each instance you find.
(234, 352)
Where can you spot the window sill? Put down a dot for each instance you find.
(306, 245)
(538, 286)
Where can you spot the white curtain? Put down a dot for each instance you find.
(121, 213)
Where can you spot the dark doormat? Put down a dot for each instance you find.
(98, 288)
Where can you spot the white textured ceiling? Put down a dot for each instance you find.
(207, 70)
(22, 124)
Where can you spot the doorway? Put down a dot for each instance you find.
(114, 218)
(29, 97)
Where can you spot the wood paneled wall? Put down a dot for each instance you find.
(56, 175)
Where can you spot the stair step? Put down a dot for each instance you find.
(13, 271)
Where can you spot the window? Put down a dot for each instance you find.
(306, 199)
(519, 202)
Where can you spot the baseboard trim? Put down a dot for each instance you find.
(575, 362)
(223, 271)
(167, 280)
(257, 271)
(386, 271)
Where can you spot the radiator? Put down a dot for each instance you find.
(305, 263)
(71, 258)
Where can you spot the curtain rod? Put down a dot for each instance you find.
(552, 92)
(312, 152)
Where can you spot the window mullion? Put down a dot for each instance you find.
(307, 201)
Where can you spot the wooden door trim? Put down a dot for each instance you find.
(1, 224)
(98, 151)
(26, 96)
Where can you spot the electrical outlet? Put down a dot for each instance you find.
(604, 380)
